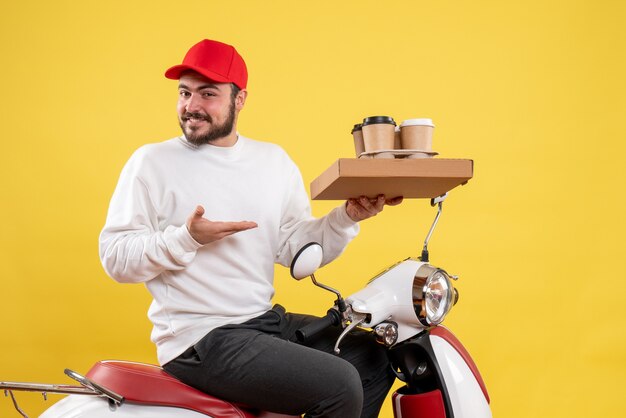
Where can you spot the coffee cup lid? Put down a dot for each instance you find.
(417, 122)
(356, 127)
(378, 119)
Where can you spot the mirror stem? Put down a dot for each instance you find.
(439, 202)
(340, 302)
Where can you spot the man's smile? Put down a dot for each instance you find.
(195, 118)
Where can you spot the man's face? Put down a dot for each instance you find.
(206, 110)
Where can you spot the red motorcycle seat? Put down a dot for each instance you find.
(149, 384)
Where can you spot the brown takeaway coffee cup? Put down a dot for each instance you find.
(357, 134)
(378, 134)
(417, 134)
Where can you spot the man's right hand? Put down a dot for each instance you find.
(205, 231)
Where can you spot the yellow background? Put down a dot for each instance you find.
(533, 91)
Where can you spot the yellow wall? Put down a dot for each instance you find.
(533, 91)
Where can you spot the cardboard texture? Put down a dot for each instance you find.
(411, 178)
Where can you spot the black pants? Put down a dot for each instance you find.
(256, 363)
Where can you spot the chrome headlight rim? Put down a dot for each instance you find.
(386, 333)
(425, 279)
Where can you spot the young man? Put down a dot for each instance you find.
(201, 220)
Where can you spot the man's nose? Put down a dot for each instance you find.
(193, 104)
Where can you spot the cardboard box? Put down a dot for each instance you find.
(411, 178)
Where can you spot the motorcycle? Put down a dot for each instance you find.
(403, 306)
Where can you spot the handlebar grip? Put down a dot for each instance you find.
(331, 318)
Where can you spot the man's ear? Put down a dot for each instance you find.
(240, 99)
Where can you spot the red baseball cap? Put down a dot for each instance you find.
(216, 61)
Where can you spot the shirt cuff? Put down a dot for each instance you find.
(180, 242)
(343, 220)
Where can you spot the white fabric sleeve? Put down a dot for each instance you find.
(298, 227)
(132, 248)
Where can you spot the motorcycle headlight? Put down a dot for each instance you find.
(386, 333)
(433, 295)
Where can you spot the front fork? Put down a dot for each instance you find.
(425, 394)
(442, 380)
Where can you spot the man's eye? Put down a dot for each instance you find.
(208, 94)
(183, 93)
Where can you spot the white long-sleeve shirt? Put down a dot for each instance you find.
(196, 288)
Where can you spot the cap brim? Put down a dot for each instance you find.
(176, 71)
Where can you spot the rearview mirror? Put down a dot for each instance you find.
(307, 261)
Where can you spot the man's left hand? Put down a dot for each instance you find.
(363, 207)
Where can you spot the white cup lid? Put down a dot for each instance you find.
(417, 122)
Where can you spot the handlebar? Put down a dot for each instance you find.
(332, 318)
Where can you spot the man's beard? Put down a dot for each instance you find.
(214, 133)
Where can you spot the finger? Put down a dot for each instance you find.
(379, 203)
(234, 230)
(232, 227)
(195, 218)
(365, 203)
(198, 212)
(244, 225)
(395, 201)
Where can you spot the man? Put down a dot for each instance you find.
(201, 220)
